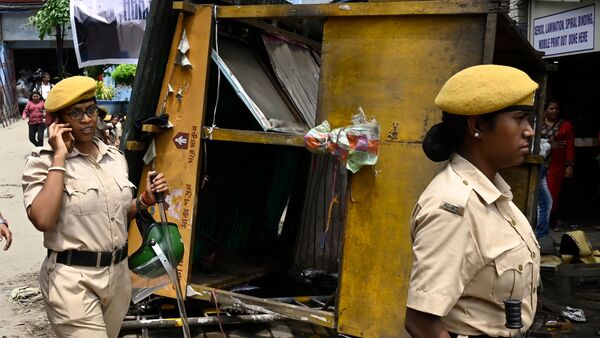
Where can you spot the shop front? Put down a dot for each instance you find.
(566, 33)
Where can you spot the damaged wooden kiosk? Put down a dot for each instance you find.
(270, 228)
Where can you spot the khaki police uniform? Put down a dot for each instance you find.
(473, 248)
(85, 301)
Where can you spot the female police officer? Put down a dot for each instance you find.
(76, 191)
(472, 246)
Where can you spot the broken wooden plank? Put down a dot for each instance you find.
(260, 305)
(282, 32)
(185, 6)
(249, 136)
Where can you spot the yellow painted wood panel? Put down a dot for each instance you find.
(180, 166)
(411, 7)
(393, 67)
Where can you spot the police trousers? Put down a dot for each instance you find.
(86, 302)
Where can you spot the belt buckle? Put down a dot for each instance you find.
(69, 255)
(113, 256)
(98, 259)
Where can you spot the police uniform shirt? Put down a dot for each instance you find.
(473, 249)
(96, 198)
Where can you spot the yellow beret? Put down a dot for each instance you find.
(70, 91)
(484, 89)
(103, 112)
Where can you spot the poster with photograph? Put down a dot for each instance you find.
(108, 31)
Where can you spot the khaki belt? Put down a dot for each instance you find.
(90, 258)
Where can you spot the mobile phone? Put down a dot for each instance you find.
(67, 137)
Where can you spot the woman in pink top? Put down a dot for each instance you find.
(34, 110)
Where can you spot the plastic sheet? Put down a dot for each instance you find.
(574, 314)
(356, 145)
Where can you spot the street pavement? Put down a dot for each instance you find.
(27, 252)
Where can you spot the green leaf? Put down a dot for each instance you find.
(124, 74)
(53, 13)
(104, 92)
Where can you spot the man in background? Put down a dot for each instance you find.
(44, 86)
(22, 89)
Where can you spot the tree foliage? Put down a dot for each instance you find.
(52, 14)
(95, 71)
(124, 74)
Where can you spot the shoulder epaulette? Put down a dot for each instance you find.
(115, 150)
(456, 196)
(38, 151)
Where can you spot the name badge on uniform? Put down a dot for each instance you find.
(455, 209)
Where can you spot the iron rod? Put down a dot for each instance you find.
(200, 321)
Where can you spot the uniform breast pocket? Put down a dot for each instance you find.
(513, 274)
(124, 193)
(83, 197)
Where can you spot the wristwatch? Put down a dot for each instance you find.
(4, 221)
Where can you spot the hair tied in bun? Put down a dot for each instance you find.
(438, 144)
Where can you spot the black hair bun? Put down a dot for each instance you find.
(438, 144)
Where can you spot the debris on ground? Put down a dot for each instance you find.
(559, 326)
(574, 314)
(25, 294)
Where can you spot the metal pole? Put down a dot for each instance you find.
(200, 321)
(160, 199)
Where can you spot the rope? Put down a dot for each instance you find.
(334, 201)
(209, 228)
(218, 70)
(214, 296)
(214, 117)
(205, 164)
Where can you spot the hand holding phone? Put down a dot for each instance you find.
(68, 139)
(60, 138)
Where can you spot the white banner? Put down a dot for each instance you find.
(108, 31)
(566, 32)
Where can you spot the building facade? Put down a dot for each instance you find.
(566, 32)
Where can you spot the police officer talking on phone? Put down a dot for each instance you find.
(77, 192)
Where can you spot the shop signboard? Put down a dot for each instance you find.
(565, 32)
